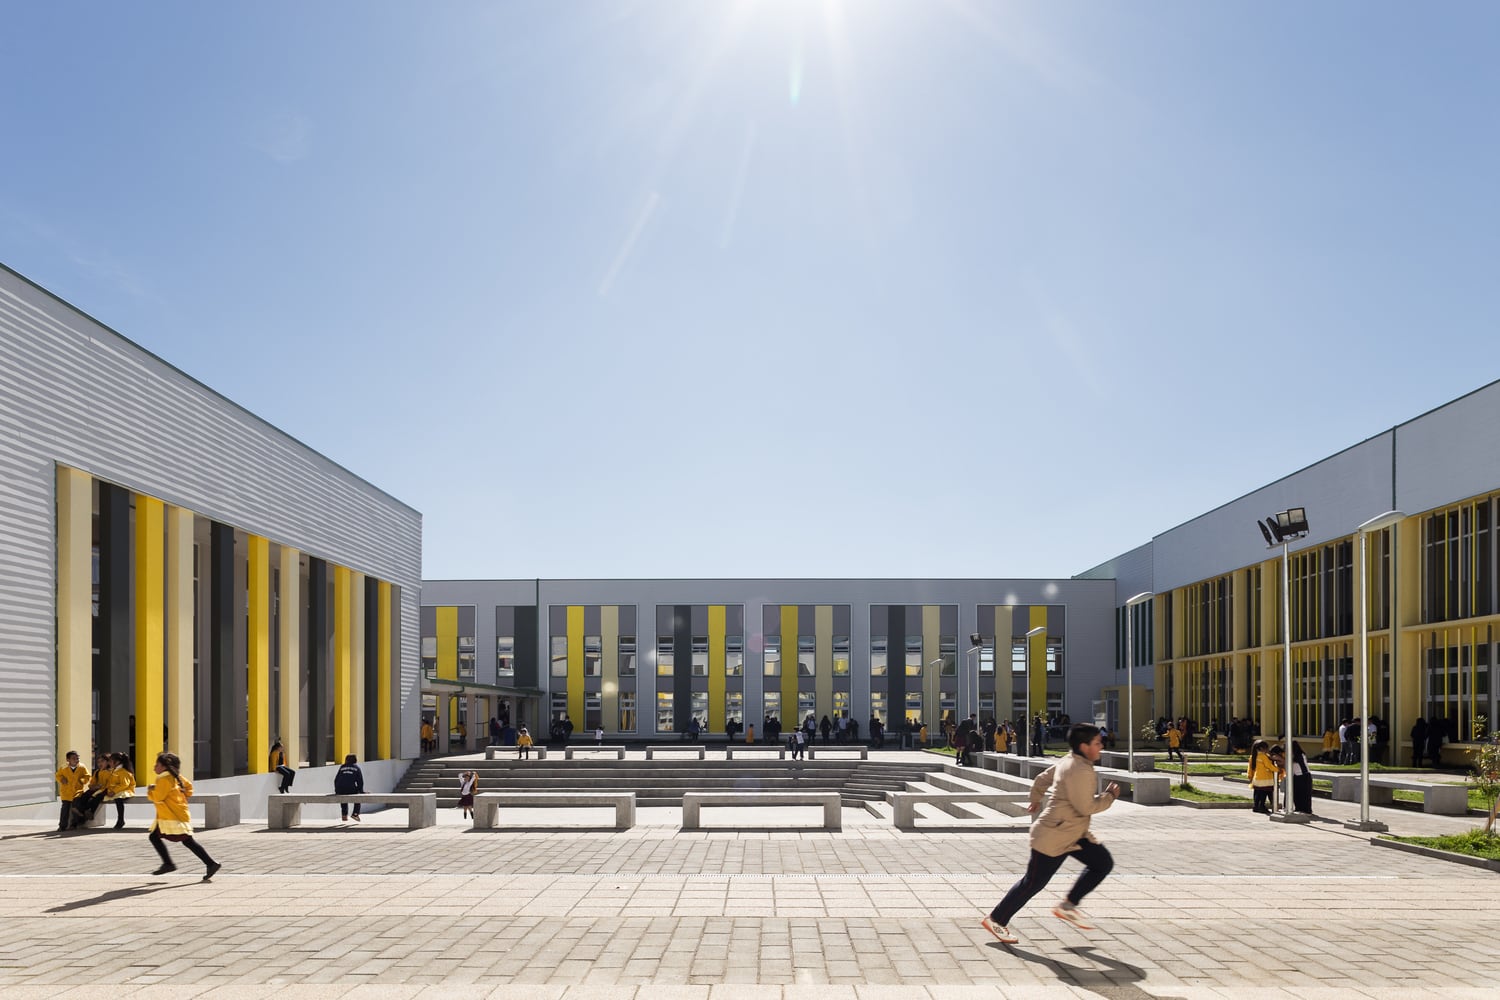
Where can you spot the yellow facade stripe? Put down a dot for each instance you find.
(716, 682)
(180, 615)
(609, 688)
(1036, 661)
(258, 682)
(932, 644)
(150, 635)
(75, 660)
(790, 656)
(383, 674)
(823, 660)
(357, 653)
(447, 643)
(575, 664)
(342, 707)
(289, 622)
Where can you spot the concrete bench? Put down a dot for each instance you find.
(1444, 800)
(1009, 763)
(285, 811)
(904, 804)
(487, 805)
(1144, 789)
(693, 748)
(220, 809)
(692, 802)
(494, 752)
(1145, 760)
(835, 751)
(755, 748)
(618, 751)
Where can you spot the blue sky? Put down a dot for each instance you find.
(777, 288)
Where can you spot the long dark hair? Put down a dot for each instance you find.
(172, 765)
(1256, 749)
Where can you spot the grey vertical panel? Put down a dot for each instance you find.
(316, 637)
(528, 653)
(114, 632)
(591, 619)
(895, 657)
(734, 620)
(682, 665)
(221, 651)
(841, 618)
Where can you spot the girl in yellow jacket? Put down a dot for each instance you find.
(1262, 773)
(523, 744)
(121, 787)
(173, 822)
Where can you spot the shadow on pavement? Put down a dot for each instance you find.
(1103, 977)
(115, 894)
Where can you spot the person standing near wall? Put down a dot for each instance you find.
(121, 787)
(72, 779)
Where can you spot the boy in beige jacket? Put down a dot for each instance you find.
(1066, 795)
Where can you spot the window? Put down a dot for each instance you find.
(773, 656)
(734, 656)
(734, 706)
(841, 656)
(429, 653)
(593, 656)
(878, 705)
(878, 659)
(665, 715)
(948, 705)
(914, 706)
(807, 704)
(559, 704)
(807, 655)
(593, 712)
(841, 703)
(1018, 657)
(698, 706)
(559, 656)
(948, 653)
(773, 703)
(700, 656)
(505, 657)
(627, 659)
(627, 712)
(987, 656)
(914, 656)
(666, 657)
(466, 657)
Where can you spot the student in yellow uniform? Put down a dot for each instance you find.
(281, 767)
(1002, 739)
(523, 744)
(72, 779)
(1174, 742)
(427, 735)
(121, 787)
(1262, 773)
(86, 803)
(173, 821)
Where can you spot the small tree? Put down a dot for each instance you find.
(1484, 777)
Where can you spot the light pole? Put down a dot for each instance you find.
(1286, 527)
(1387, 520)
(1030, 727)
(1140, 598)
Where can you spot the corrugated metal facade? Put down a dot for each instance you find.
(73, 392)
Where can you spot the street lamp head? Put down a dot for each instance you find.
(1292, 521)
(1140, 598)
(1381, 522)
(1039, 630)
(1266, 531)
(975, 639)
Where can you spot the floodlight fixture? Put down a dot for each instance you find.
(975, 639)
(1292, 521)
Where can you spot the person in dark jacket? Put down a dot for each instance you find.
(1302, 786)
(1418, 742)
(349, 780)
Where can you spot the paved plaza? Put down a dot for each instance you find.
(1201, 904)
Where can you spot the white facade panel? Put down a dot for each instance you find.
(75, 393)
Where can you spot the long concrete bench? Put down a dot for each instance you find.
(1144, 789)
(1444, 800)
(220, 809)
(1145, 760)
(692, 802)
(1009, 763)
(755, 749)
(285, 811)
(618, 751)
(835, 751)
(694, 748)
(494, 752)
(487, 805)
(904, 804)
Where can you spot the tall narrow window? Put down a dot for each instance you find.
(627, 656)
(734, 706)
(878, 660)
(773, 656)
(914, 656)
(559, 656)
(666, 657)
(841, 656)
(665, 714)
(700, 656)
(807, 655)
(593, 656)
(627, 711)
(734, 655)
(505, 658)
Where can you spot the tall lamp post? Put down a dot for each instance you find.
(1283, 529)
(976, 645)
(1387, 520)
(1030, 727)
(1140, 598)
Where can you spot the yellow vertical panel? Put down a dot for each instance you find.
(289, 622)
(1005, 678)
(1036, 660)
(789, 659)
(258, 682)
(716, 683)
(609, 638)
(357, 654)
(932, 644)
(575, 663)
(150, 633)
(447, 643)
(75, 622)
(383, 674)
(180, 613)
(823, 660)
(342, 706)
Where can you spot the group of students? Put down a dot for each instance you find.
(113, 781)
(82, 793)
(1267, 768)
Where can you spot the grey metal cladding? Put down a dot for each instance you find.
(74, 392)
(1448, 454)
